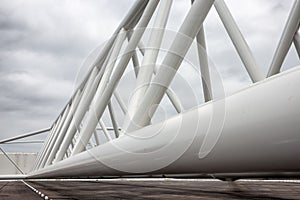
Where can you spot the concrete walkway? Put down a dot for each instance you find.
(170, 189)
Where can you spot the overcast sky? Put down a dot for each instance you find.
(43, 44)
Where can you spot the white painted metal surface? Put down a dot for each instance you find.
(250, 140)
(255, 130)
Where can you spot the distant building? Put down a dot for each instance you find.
(24, 161)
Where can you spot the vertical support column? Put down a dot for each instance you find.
(286, 39)
(171, 63)
(238, 41)
(101, 99)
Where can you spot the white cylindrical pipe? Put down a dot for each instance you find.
(101, 100)
(244, 144)
(66, 124)
(59, 135)
(47, 151)
(46, 146)
(286, 39)
(204, 67)
(151, 52)
(238, 41)
(181, 44)
(43, 147)
(82, 107)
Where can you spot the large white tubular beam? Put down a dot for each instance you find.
(238, 41)
(149, 60)
(242, 147)
(286, 39)
(259, 149)
(101, 100)
(297, 42)
(171, 63)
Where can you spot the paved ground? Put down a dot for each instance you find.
(152, 190)
(16, 190)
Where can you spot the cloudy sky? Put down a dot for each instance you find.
(43, 45)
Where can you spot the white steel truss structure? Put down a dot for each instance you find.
(258, 130)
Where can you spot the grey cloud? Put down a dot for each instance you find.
(42, 47)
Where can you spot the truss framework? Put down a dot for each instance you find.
(74, 145)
